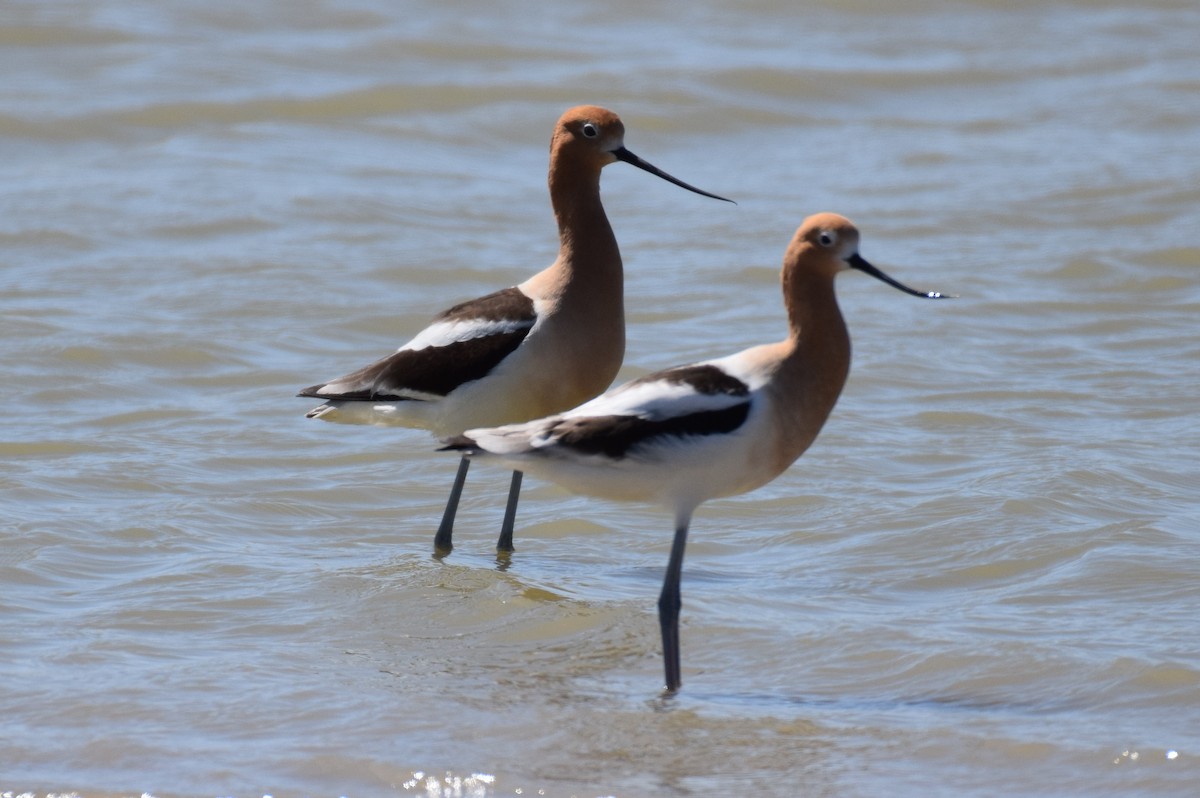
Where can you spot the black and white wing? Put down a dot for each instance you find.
(675, 405)
(463, 344)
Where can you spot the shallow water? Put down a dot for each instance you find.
(982, 579)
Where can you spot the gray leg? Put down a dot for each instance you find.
(668, 609)
(442, 540)
(510, 514)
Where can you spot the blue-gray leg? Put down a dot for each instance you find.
(510, 514)
(668, 610)
(442, 541)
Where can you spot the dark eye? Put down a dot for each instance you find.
(826, 238)
(590, 131)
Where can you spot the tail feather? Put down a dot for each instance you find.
(459, 443)
(317, 412)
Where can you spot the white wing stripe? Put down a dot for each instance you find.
(445, 333)
(656, 400)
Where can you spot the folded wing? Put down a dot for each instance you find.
(670, 406)
(462, 344)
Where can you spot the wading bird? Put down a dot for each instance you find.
(523, 352)
(684, 435)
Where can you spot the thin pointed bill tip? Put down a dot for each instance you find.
(860, 263)
(622, 154)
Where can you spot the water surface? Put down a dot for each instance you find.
(982, 579)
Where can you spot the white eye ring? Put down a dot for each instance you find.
(589, 130)
(827, 238)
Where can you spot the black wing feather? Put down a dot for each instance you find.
(438, 370)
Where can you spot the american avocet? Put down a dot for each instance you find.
(684, 435)
(540, 347)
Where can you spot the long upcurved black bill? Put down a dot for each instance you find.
(856, 261)
(625, 155)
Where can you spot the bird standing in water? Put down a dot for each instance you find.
(684, 435)
(523, 352)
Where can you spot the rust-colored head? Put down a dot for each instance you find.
(591, 137)
(588, 133)
(827, 243)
